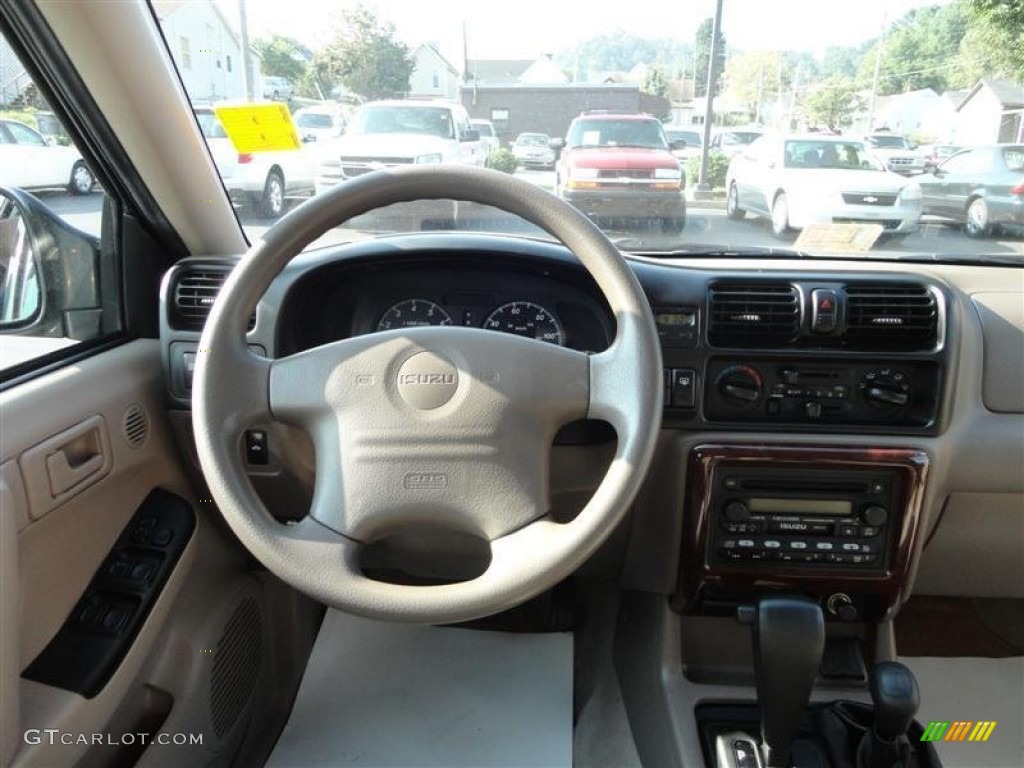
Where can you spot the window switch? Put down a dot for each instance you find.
(257, 453)
(684, 389)
(163, 537)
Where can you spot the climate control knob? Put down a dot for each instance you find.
(886, 389)
(740, 386)
(874, 515)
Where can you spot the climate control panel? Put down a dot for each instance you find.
(858, 393)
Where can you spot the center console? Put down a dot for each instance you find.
(835, 524)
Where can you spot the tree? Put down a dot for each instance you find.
(702, 56)
(365, 57)
(833, 104)
(617, 52)
(997, 34)
(656, 84)
(917, 51)
(283, 57)
(754, 78)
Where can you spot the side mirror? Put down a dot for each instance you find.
(308, 138)
(471, 135)
(49, 273)
(557, 144)
(677, 144)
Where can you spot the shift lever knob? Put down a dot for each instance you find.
(789, 639)
(896, 699)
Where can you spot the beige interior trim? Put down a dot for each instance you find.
(149, 113)
(12, 517)
(1002, 321)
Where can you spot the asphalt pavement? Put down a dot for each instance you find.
(704, 227)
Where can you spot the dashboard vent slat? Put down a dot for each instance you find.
(195, 291)
(753, 314)
(891, 316)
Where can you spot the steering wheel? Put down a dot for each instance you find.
(445, 427)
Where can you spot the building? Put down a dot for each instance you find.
(433, 77)
(206, 50)
(992, 111)
(522, 108)
(906, 113)
(939, 124)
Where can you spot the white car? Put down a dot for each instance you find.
(533, 150)
(731, 141)
(277, 88)
(388, 133)
(263, 180)
(799, 180)
(692, 136)
(898, 154)
(488, 137)
(29, 162)
(319, 124)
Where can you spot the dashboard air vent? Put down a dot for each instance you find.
(753, 314)
(891, 316)
(194, 293)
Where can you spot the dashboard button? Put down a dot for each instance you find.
(684, 388)
(772, 544)
(824, 545)
(798, 545)
(850, 531)
(745, 543)
(868, 531)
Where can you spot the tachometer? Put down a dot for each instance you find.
(412, 313)
(524, 318)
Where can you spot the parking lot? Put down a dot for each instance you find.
(706, 225)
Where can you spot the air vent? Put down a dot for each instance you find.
(236, 665)
(891, 316)
(194, 294)
(753, 314)
(136, 426)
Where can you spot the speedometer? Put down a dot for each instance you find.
(524, 318)
(412, 313)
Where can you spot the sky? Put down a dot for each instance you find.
(527, 28)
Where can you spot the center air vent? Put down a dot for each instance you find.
(891, 316)
(753, 314)
(194, 293)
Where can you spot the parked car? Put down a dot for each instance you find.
(729, 141)
(319, 124)
(935, 154)
(621, 166)
(533, 150)
(488, 136)
(278, 88)
(981, 188)
(261, 180)
(897, 152)
(802, 179)
(29, 161)
(694, 141)
(387, 133)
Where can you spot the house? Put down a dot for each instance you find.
(939, 124)
(433, 77)
(544, 71)
(496, 71)
(14, 80)
(206, 50)
(992, 111)
(905, 113)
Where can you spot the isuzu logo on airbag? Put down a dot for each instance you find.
(427, 381)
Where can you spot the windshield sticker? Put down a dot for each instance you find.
(259, 127)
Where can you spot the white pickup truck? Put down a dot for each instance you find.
(387, 133)
(263, 180)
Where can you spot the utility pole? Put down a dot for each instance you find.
(792, 99)
(760, 89)
(247, 78)
(703, 190)
(878, 65)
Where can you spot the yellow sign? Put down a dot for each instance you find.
(838, 238)
(259, 127)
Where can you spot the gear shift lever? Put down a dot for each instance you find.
(896, 699)
(789, 639)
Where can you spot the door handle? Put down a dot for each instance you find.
(65, 475)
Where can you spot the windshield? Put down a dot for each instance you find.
(590, 103)
(616, 133)
(828, 154)
(432, 121)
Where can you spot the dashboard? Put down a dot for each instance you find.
(841, 377)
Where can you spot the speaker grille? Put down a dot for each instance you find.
(136, 426)
(236, 666)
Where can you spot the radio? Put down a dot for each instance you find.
(794, 517)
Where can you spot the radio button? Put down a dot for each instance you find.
(850, 531)
(772, 544)
(745, 543)
(868, 531)
(851, 547)
(798, 545)
(874, 515)
(821, 529)
(826, 545)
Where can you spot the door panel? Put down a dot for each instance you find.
(62, 534)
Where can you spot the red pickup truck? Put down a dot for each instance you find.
(619, 166)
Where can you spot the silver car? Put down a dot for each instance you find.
(804, 179)
(534, 150)
(982, 188)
